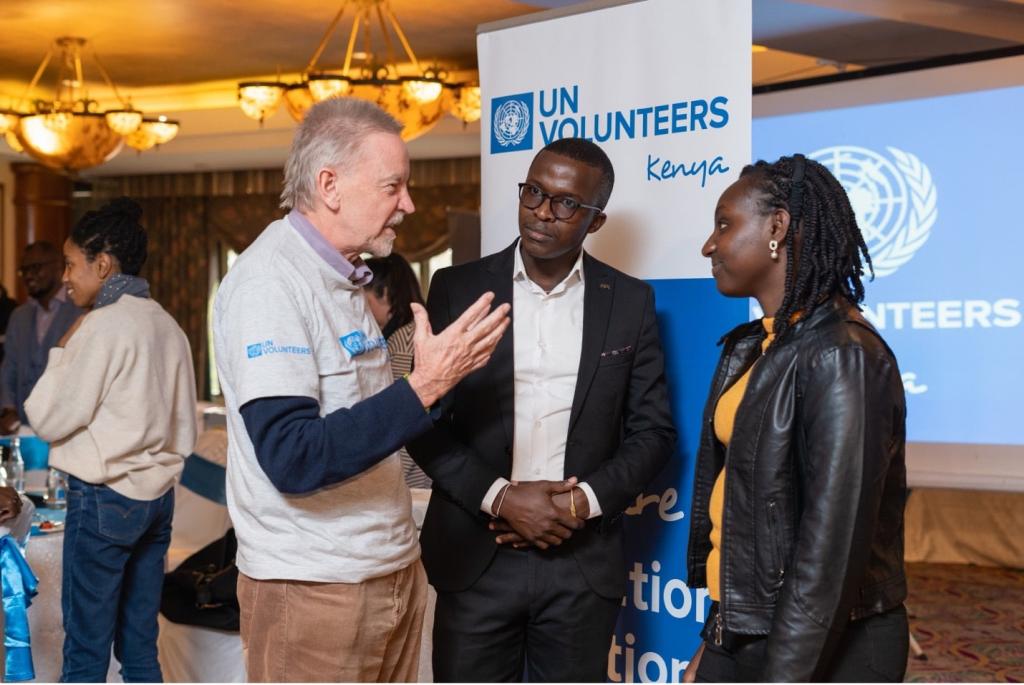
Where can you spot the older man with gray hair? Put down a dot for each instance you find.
(331, 587)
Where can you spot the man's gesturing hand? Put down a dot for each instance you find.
(444, 359)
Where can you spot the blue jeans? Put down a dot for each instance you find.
(114, 551)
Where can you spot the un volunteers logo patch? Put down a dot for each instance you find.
(893, 197)
(512, 123)
(357, 343)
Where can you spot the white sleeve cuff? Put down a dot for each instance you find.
(487, 505)
(595, 506)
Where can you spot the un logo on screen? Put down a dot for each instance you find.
(893, 197)
(512, 123)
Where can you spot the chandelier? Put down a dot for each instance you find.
(416, 96)
(68, 133)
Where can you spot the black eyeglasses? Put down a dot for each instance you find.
(34, 268)
(562, 206)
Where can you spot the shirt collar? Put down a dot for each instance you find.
(356, 273)
(519, 271)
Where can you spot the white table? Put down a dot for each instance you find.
(44, 554)
(187, 653)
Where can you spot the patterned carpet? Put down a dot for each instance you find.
(969, 620)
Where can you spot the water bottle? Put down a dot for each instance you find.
(56, 490)
(16, 474)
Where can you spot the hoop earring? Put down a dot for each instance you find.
(773, 245)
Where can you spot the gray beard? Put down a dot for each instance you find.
(381, 246)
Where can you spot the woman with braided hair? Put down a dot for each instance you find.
(117, 402)
(797, 517)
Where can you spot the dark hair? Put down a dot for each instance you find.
(393, 274)
(114, 228)
(830, 242)
(44, 247)
(590, 154)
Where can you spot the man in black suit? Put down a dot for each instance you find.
(536, 456)
(34, 327)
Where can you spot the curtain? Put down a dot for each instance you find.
(237, 221)
(424, 233)
(178, 269)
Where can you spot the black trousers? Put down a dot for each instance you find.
(871, 650)
(531, 610)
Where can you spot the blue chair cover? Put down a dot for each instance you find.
(205, 478)
(19, 587)
(34, 450)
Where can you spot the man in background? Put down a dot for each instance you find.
(7, 306)
(33, 329)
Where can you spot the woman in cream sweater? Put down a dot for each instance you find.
(117, 403)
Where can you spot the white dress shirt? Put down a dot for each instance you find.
(547, 334)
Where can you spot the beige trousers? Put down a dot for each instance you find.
(298, 631)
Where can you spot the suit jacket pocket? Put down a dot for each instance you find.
(615, 357)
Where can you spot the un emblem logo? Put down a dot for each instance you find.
(512, 123)
(894, 200)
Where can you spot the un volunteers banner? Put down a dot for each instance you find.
(664, 87)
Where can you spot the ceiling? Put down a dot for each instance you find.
(183, 57)
(156, 42)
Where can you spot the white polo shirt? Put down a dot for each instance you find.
(286, 323)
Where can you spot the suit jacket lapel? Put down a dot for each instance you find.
(63, 318)
(597, 308)
(499, 281)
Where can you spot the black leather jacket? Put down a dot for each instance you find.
(813, 517)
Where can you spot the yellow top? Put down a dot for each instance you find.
(725, 419)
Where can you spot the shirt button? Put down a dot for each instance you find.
(536, 424)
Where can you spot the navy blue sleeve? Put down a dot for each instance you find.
(301, 452)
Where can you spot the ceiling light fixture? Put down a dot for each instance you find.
(152, 132)
(416, 96)
(67, 132)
